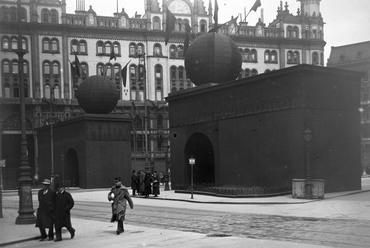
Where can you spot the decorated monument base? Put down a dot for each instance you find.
(89, 150)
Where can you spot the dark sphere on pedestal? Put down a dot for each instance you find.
(97, 95)
(212, 58)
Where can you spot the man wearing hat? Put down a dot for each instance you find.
(63, 205)
(120, 196)
(45, 212)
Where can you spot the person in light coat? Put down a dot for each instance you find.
(45, 211)
(120, 196)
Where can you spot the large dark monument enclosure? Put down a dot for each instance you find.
(253, 129)
(89, 150)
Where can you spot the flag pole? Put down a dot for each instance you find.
(245, 18)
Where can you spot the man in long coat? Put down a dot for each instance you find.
(63, 204)
(120, 196)
(45, 211)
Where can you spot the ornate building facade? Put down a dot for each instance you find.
(53, 38)
(356, 57)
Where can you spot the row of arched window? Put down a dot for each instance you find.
(10, 43)
(11, 14)
(10, 78)
(271, 56)
(49, 16)
(293, 57)
(180, 24)
(292, 32)
(50, 45)
(244, 73)
(178, 79)
(11, 66)
(317, 59)
(250, 55)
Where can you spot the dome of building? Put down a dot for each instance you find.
(97, 95)
(212, 58)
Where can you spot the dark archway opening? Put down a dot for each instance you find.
(200, 147)
(70, 170)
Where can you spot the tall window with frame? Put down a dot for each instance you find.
(117, 79)
(158, 82)
(315, 58)
(107, 48)
(203, 26)
(45, 44)
(157, 50)
(133, 82)
(5, 43)
(100, 47)
(156, 23)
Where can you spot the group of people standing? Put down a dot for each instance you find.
(144, 183)
(54, 211)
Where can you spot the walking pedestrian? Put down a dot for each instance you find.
(63, 204)
(120, 196)
(134, 183)
(45, 211)
(155, 179)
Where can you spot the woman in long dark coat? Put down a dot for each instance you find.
(120, 196)
(45, 211)
(148, 184)
(63, 205)
(155, 180)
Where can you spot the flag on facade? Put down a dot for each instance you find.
(170, 25)
(112, 55)
(77, 66)
(124, 74)
(256, 5)
(73, 70)
(215, 16)
(187, 37)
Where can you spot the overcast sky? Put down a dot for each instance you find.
(346, 21)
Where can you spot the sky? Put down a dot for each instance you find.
(346, 22)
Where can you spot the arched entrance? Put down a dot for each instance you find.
(200, 147)
(70, 170)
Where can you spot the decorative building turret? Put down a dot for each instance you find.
(310, 7)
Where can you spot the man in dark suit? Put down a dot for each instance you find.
(63, 204)
(45, 212)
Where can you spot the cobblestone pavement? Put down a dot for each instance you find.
(308, 230)
(340, 230)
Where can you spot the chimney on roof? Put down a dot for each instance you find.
(80, 5)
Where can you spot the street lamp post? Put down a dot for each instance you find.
(307, 135)
(167, 174)
(192, 163)
(146, 135)
(26, 211)
(51, 103)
